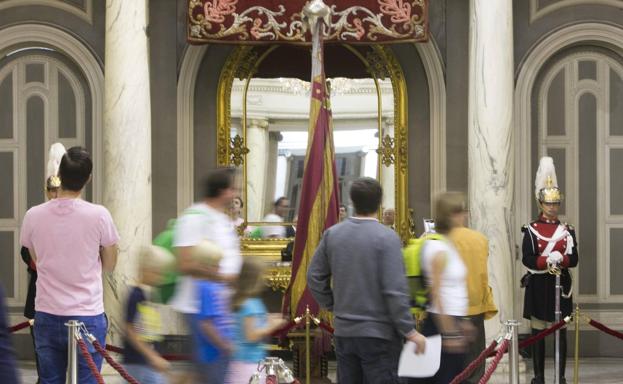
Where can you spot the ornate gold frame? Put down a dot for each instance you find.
(381, 63)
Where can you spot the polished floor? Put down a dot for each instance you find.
(592, 371)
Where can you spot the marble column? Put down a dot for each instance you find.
(127, 146)
(271, 167)
(257, 142)
(490, 143)
(388, 179)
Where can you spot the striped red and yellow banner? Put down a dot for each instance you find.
(318, 209)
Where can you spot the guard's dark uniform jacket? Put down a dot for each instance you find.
(540, 238)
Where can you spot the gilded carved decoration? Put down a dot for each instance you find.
(237, 151)
(377, 67)
(387, 151)
(401, 152)
(352, 21)
(239, 65)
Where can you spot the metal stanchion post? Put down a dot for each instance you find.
(576, 363)
(73, 327)
(307, 346)
(557, 317)
(513, 352)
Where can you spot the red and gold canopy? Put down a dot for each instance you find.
(280, 21)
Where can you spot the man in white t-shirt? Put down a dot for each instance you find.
(206, 220)
(280, 210)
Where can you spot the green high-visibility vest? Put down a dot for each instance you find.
(413, 268)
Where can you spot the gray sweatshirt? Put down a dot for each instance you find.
(358, 273)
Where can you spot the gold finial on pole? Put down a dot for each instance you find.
(307, 346)
(576, 366)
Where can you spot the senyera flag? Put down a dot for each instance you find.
(318, 209)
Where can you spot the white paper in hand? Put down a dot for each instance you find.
(422, 365)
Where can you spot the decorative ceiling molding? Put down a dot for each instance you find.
(536, 11)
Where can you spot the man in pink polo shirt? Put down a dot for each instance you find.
(71, 241)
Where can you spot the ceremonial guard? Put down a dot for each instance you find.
(549, 248)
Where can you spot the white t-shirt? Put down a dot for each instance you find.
(453, 289)
(278, 231)
(202, 222)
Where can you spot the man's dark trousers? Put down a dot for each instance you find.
(367, 360)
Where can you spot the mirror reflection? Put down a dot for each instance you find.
(273, 118)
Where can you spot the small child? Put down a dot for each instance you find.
(253, 324)
(142, 322)
(212, 327)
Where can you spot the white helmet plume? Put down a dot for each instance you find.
(57, 151)
(545, 176)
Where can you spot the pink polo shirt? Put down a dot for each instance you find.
(66, 235)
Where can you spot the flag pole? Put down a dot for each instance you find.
(319, 180)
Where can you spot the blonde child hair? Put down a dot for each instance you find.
(156, 258)
(207, 253)
(250, 282)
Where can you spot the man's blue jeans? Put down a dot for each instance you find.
(51, 346)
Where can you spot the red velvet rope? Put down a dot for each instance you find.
(113, 363)
(19, 327)
(326, 327)
(281, 332)
(87, 356)
(531, 340)
(474, 364)
(605, 329)
(112, 348)
(539, 336)
(494, 364)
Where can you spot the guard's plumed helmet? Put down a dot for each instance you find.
(57, 151)
(546, 184)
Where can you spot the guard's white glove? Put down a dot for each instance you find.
(554, 258)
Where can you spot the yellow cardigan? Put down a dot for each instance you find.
(473, 247)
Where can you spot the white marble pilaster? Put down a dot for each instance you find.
(257, 158)
(490, 143)
(127, 146)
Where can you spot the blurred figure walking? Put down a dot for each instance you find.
(445, 274)
(473, 247)
(253, 324)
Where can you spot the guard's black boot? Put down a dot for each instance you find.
(538, 360)
(563, 355)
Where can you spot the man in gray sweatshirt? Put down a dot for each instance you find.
(358, 273)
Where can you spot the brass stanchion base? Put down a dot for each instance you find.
(319, 366)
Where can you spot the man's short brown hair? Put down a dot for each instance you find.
(366, 194)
